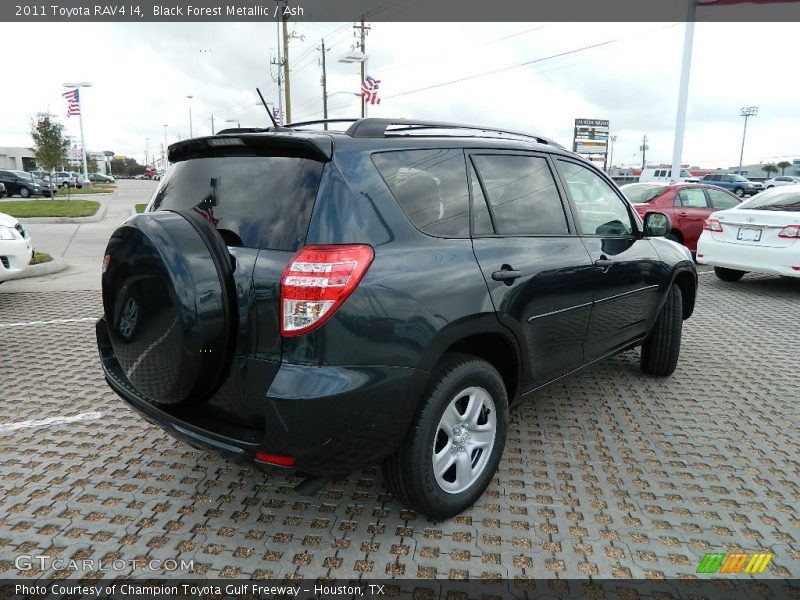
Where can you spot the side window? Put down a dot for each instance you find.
(692, 198)
(716, 178)
(522, 195)
(600, 211)
(481, 220)
(721, 200)
(431, 188)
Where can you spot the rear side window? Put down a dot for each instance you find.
(522, 195)
(258, 202)
(692, 198)
(721, 200)
(431, 188)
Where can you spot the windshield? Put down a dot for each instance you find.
(740, 178)
(639, 193)
(23, 174)
(685, 173)
(774, 199)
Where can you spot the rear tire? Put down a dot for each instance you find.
(662, 348)
(728, 274)
(24, 192)
(461, 425)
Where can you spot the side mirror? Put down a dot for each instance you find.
(656, 224)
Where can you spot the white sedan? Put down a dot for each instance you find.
(781, 180)
(15, 247)
(760, 235)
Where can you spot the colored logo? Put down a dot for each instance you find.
(736, 562)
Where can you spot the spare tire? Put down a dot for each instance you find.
(168, 300)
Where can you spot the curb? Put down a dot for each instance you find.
(48, 268)
(95, 218)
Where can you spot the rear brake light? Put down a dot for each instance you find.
(316, 282)
(273, 459)
(712, 225)
(792, 231)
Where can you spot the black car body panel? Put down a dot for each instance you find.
(344, 394)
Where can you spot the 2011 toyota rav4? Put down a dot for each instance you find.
(320, 301)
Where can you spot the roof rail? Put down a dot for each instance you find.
(320, 122)
(374, 127)
(249, 130)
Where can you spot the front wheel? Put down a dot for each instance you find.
(728, 274)
(739, 192)
(661, 349)
(65, 185)
(455, 445)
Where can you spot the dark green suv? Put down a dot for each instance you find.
(320, 300)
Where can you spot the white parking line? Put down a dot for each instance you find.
(53, 322)
(88, 416)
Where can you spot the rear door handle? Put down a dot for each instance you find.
(683, 214)
(603, 263)
(507, 275)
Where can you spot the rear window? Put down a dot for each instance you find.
(775, 199)
(431, 188)
(642, 194)
(257, 202)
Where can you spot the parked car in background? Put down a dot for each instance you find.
(665, 176)
(781, 180)
(48, 189)
(19, 183)
(78, 178)
(100, 178)
(741, 186)
(379, 295)
(761, 235)
(15, 247)
(64, 179)
(687, 204)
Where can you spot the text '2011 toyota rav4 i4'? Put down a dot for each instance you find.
(319, 301)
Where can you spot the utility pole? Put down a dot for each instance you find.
(285, 20)
(212, 123)
(746, 112)
(324, 86)
(644, 149)
(146, 151)
(279, 64)
(364, 30)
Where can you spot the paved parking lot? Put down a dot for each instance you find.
(608, 474)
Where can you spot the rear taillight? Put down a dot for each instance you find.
(712, 225)
(792, 231)
(316, 282)
(274, 459)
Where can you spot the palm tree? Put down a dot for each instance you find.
(769, 168)
(783, 165)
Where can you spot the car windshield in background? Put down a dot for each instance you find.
(740, 178)
(775, 199)
(642, 193)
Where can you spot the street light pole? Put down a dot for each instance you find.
(79, 85)
(746, 112)
(164, 154)
(190, 116)
(235, 121)
(613, 139)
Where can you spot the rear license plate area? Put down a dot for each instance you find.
(749, 234)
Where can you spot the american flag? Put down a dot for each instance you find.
(369, 89)
(206, 210)
(276, 112)
(73, 104)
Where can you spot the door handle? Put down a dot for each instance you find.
(506, 274)
(683, 214)
(603, 263)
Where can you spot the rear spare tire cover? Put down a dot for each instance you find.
(168, 303)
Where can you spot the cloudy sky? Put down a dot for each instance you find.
(627, 73)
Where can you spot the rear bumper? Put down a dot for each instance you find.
(331, 420)
(751, 258)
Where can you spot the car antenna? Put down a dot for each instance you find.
(269, 112)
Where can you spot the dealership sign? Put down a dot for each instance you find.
(591, 138)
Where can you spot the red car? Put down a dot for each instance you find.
(687, 204)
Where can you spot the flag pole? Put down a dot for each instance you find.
(683, 92)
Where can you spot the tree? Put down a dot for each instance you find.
(50, 147)
(91, 165)
(126, 167)
(769, 168)
(783, 165)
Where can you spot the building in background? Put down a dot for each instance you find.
(20, 159)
